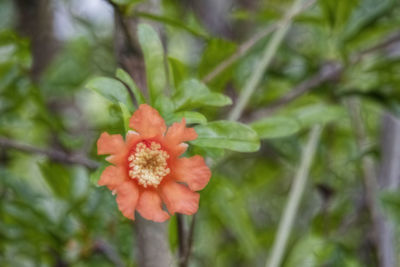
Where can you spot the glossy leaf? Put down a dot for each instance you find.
(111, 89)
(318, 114)
(57, 177)
(154, 59)
(310, 251)
(126, 78)
(174, 23)
(228, 204)
(125, 116)
(216, 51)
(228, 135)
(191, 117)
(193, 93)
(178, 70)
(164, 105)
(95, 176)
(275, 127)
(371, 12)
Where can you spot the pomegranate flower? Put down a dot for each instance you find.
(147, 170)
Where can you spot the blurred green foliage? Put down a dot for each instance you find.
(53, 214)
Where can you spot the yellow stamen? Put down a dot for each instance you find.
(148, 164)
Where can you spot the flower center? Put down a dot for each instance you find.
(148, 164)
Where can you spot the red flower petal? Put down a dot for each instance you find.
(192, 171)
(127, 199)
(148, 201)
(110, 144)
(147, 122)
(179, 198)
(112, 177)
(132, 138)
(179, 133)
(176, 135)
(118, 159)
(149, 206)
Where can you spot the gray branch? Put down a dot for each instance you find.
(328, 72)
(389, 179)
(53, 154)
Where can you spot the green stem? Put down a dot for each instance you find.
(263, 64)
(296, 192)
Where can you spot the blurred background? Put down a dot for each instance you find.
(333, 63)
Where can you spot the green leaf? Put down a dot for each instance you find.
(57, 177)
(125, 116)
(126, 78)
(80, 183)
(173, 233)
(154, 59)
(318, 114)
(164, 105)
(217, 50)
(94, 177)
(111, 89)
(234, 215)
(366, 16)
(337, 13)
(126, 2)
(310, 250)
(172, 22)
(193, 94)
(191, 117)
(178, 70)
(275, 127)
(390, 201)
(344, 9)
(228, 135)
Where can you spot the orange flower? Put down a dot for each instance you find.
(147, 169)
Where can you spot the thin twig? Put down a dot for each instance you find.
(292, 204)
(124, 25)
(328, 71)
(369, 173)
(262, 66)
(383, 45)
(225, 64)
(130, 92)
(246, 46)
(185, 261)
(181, 239)
(55, 155)
(169, 21)
(242, 50)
